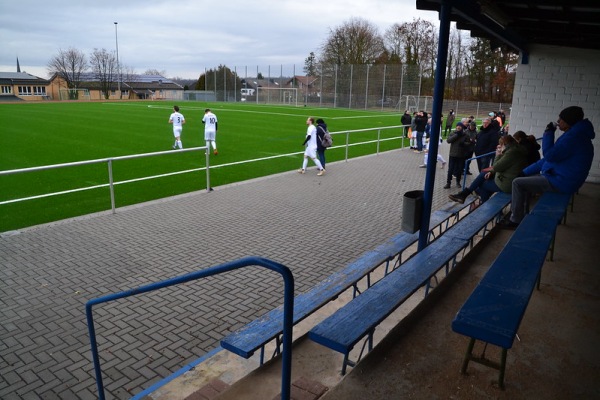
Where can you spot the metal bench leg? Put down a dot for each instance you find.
(347, 362)
(468, 356)
(355, 290)
(502, 369)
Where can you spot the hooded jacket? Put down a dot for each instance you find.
(508, 165)
(567, 161)
(321, 128)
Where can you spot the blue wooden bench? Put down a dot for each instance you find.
(255, 335)
(358, 319)
(493, 312)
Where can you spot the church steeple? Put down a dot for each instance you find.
(18, 66)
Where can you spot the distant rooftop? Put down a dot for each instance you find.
(18, 76)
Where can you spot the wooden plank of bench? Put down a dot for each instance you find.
(342, 330)
(253, 336)
(551, 203)
(346, 327)
(494, 310)
(481, 216)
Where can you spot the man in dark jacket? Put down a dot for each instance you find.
(460, 143)
(406, 121)
(564, 167)
(487, 140)
(449, 122)
(420, 124)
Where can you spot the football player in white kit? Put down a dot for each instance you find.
(311, 147)
(210, 129)
(177, 119)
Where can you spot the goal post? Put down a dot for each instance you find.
(277, 95)
(74, 94)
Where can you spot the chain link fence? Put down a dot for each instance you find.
(387, 87)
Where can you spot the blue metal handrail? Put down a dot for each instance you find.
(288, 309)
(468, 161)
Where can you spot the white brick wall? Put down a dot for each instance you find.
(555, 78)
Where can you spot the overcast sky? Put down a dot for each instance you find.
(184, 37)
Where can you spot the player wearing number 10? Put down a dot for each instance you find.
(177, 120)
(210, 129)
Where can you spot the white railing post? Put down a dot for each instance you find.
(207, 171)
(111, 186)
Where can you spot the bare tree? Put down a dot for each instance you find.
(104, 65)
(69, 65)
(416, 44)
(128, 74)
(354, 42)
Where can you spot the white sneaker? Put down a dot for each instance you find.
(321, 172)
(422, 166)
(301, 171)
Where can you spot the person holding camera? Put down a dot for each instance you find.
(563, 168)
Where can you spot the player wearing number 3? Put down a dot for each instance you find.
(177, 120)
(210, 129)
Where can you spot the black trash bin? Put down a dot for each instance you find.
(412, 209)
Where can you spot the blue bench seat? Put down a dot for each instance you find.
(256, 334)
(495, 309)
(347, 326)
(359, 318)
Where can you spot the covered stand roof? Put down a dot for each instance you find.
(520, 23)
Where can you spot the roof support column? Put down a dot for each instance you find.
(434, 140)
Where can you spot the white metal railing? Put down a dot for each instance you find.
(111, 183)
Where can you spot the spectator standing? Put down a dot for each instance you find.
(311, 147)
(487, 140)
(420, 124)
(472, 132)
(502, 116)
(321, 129)
(177, 119)
(210, 130)
(406, 120)
(413, 132)
(449, 122)
(459, 142)
(564, 167)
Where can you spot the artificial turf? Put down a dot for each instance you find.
(50, 133)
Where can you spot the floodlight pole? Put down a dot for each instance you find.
(118, 66)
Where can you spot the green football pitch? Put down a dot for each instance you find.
(41, 134)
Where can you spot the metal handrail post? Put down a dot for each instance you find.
(207, 171)
(378, 139)
(111, 186)
(288, 310)
(347, 144)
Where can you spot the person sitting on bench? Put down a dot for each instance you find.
(511, 158)
(563, 168)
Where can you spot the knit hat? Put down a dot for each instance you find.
(571, 115)
(461, 125)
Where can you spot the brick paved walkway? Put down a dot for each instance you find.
(314, 225)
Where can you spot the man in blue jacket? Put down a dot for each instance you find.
(564, 167)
